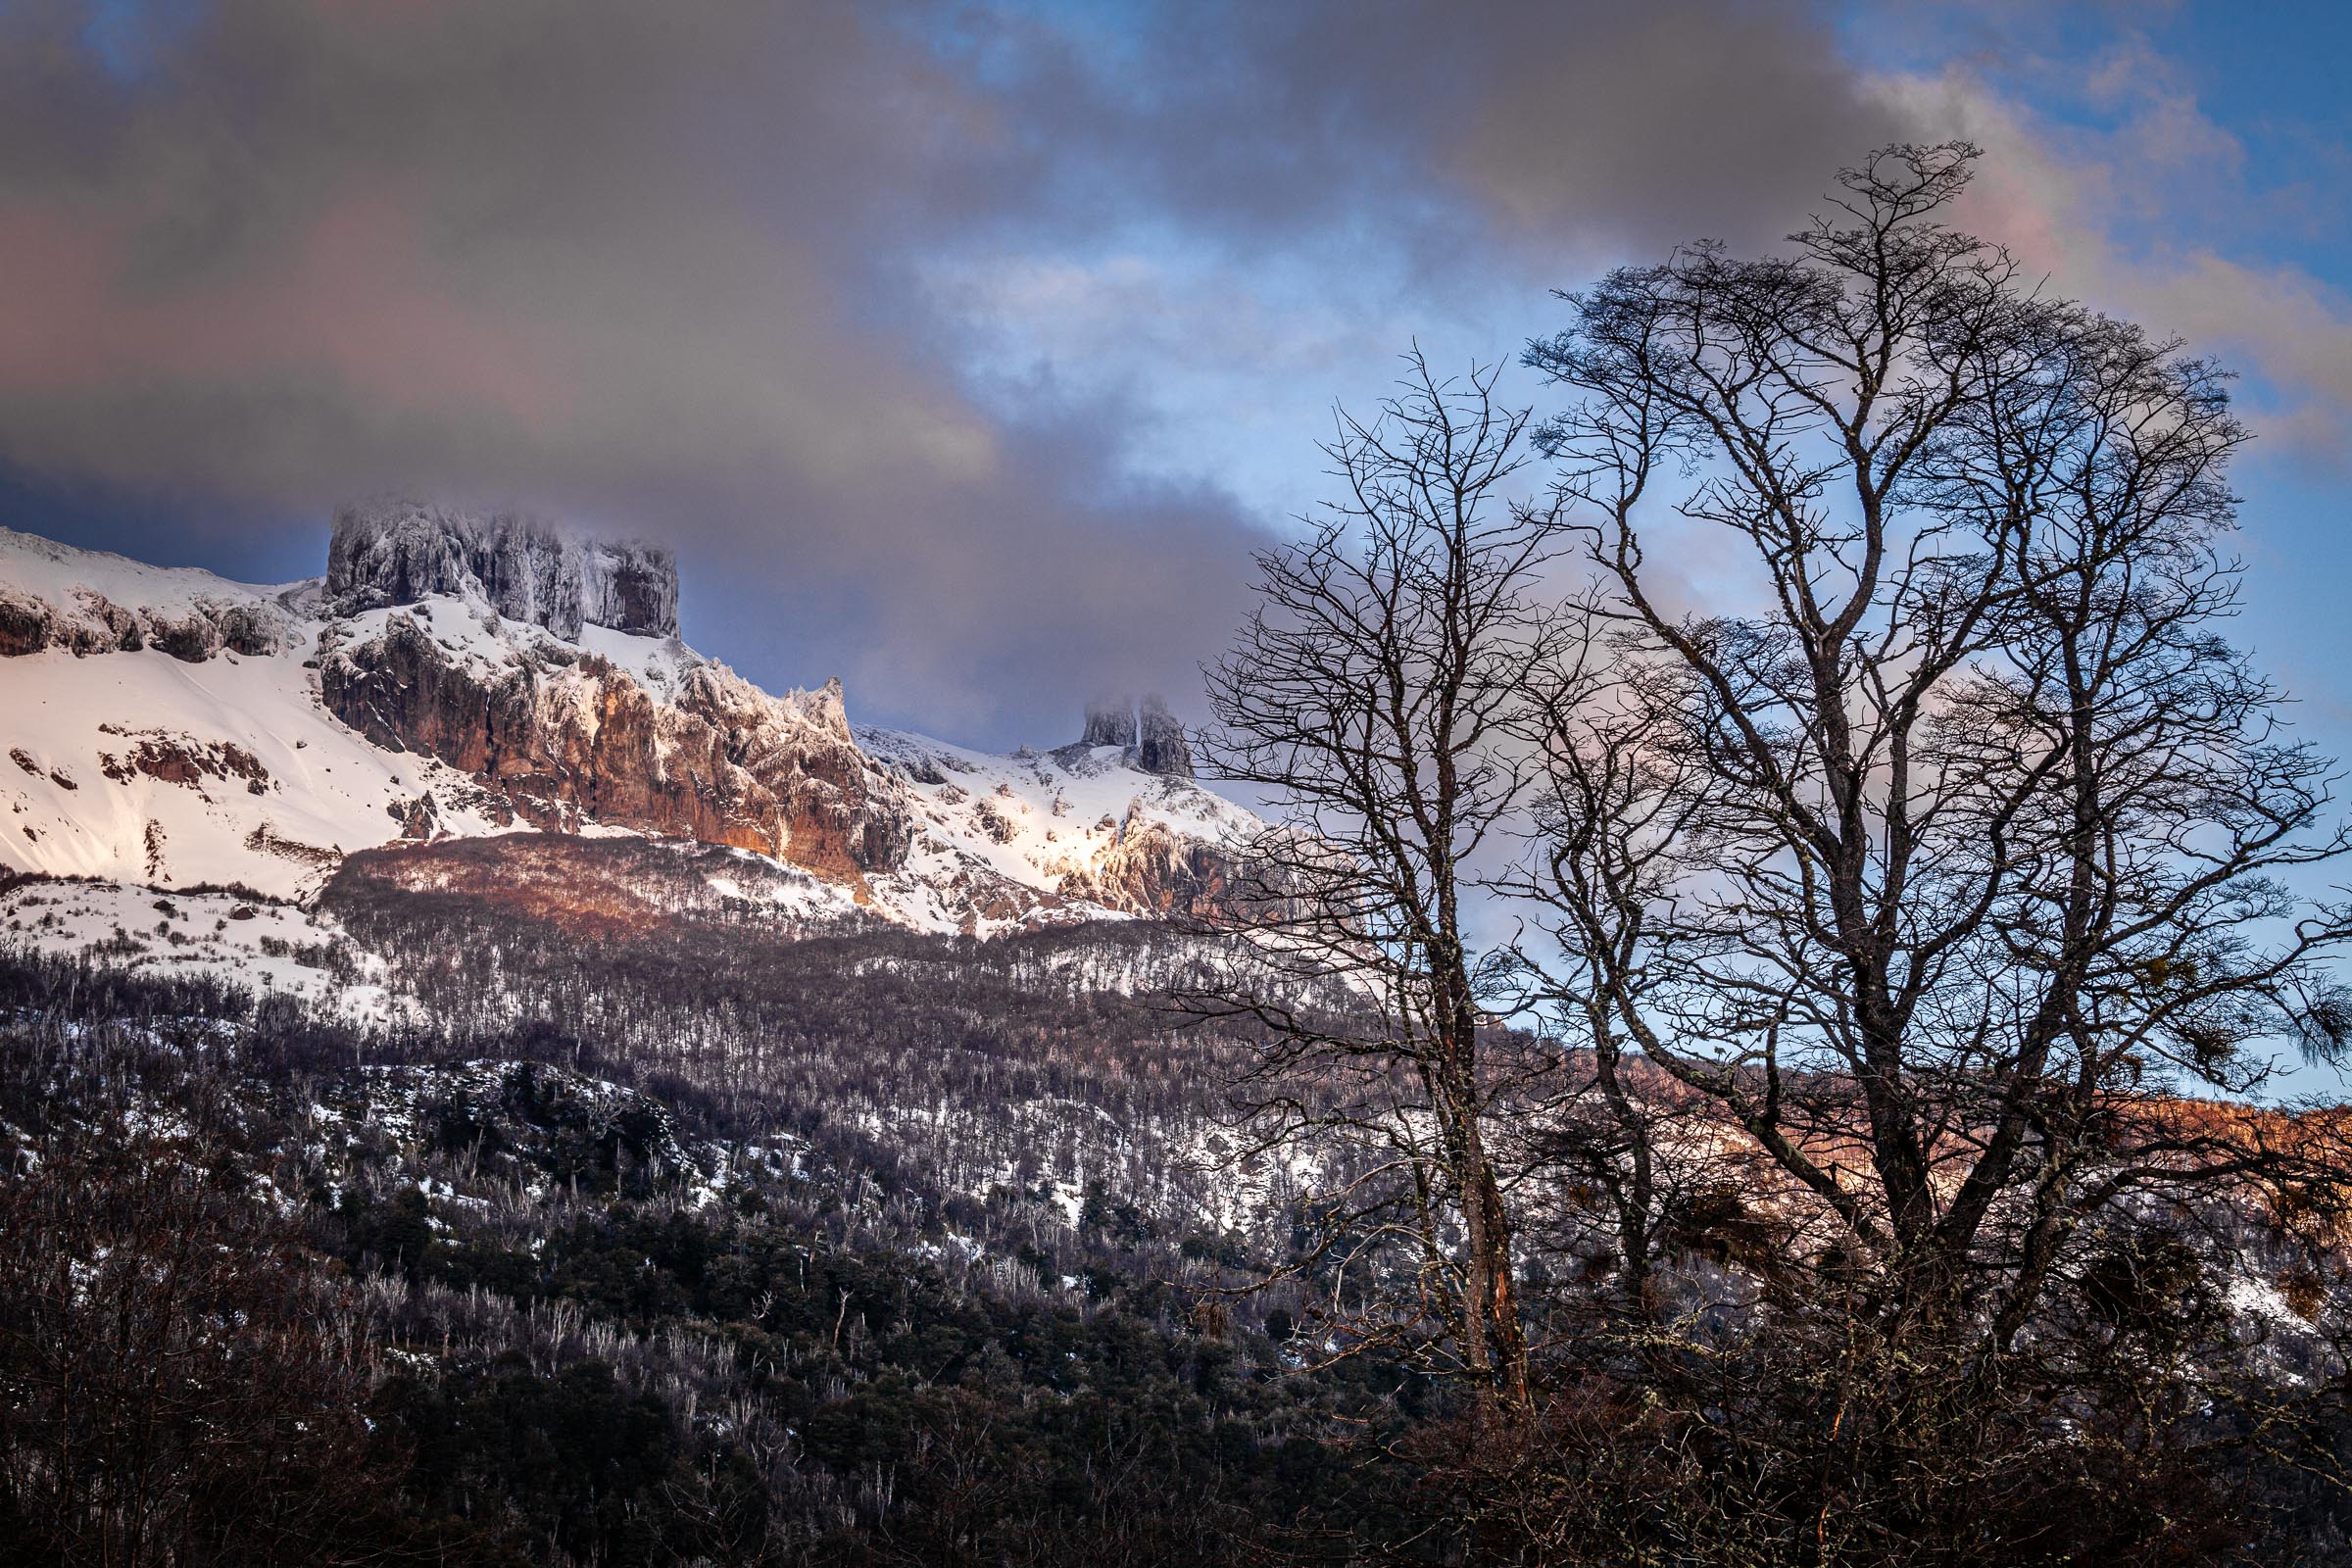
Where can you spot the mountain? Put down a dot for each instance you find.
(494, 680)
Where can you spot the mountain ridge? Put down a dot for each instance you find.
(471, 676)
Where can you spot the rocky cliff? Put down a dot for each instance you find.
(1149, 736)
(1160, 747)
(1153, 868)
(564, 734)
(527, 569)
(1109, 721)
(87, 602)
(568, 737)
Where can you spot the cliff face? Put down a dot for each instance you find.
(1153, 869)
(1150, 737)
(92, 623)
(1109, 721)
(528, 570)
(564, 734)
(1161, 746)
(568, 738)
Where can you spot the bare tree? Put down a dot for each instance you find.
(180, 1384)
(1941, 866)
(1898, 905)
(1975, 817)
(1377, 690)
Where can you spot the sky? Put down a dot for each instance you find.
(965, 350)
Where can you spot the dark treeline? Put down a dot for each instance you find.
(277, 1290)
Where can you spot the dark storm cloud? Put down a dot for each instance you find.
(1674, 122)
(663, 267)
(1455, 125)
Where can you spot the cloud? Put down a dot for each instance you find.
(513, 244)
(632, 261)
(2146, 208)
(1660, 124)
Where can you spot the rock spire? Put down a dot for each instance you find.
(1150, 737)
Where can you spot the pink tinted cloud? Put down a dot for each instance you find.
(2138, 219)
(354, 297)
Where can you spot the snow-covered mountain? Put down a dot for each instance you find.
(463, 676)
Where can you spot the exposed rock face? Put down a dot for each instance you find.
(1151, 738)
(89, 622)
(25, 625)
(1109, 721)
(1154, 870)
(184, 760)
(526, 568)
(630, 587)
(568, 738)
(1160, 745)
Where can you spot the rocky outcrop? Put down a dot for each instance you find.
(1153, 870)
(629, 587)
(1109, 721)
(1161, 746)
(175, 759)
(23, 626)
(89, 622)
(1149, 736)
(527, 569)
(568, 738)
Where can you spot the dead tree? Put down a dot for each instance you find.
(180, 1384)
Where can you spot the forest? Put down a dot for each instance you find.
(279, 1291)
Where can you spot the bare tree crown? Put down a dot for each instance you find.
(1973, 824)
